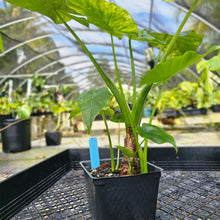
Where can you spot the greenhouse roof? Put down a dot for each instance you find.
(34, 44)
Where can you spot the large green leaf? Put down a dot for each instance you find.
(169, 68)
(187, 40)
(156, 134)
(91, 103)
(50, 9)
(107, 16)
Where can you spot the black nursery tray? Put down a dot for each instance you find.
(55, 188)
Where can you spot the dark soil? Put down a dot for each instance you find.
(104, 171)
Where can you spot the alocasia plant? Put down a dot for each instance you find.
(176, 53)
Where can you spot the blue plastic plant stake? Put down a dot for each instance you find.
(94, 153)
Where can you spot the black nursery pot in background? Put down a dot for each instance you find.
(53, 138)
(215, 108)
(17, 137)
(123, 198)
(3, 117)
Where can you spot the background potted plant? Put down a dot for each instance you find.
(171, 59)
(16, 132)
(16, 123)
(54, 137)
(215, 100)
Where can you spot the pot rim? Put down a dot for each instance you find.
(159, 170)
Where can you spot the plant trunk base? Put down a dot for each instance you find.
(130, 144)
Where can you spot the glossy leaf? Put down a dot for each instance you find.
(50, 9)
(91, 103)
(169, 68)
(156, 134)
(24, 111)
(107, 16)
(126, 151)
(187, 40)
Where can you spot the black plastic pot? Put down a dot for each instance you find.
(123, 198)
(17, 137)
(170, 113)
(53, 138)
(3, 117)
(193, 111)
(215, 108)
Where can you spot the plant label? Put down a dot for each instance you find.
(94, 153)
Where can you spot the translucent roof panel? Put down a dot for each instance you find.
(34, 44)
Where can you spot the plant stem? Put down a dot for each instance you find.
(118, 152)
(108, 82)
(145, 152)
(133, 72)
(58, 121)
(155, 105)
(110, 142)
(118, 75)
(127, 110)
(116, 67)
(158, 57)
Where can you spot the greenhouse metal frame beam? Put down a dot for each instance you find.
(17, 21)
(182, 8)
(26, 75)
(26, 42)
(31, 60)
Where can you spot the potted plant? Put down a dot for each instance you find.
(186, 99)
(16, 132)
(15, 123)
(54, 137)
(171, 59)
(215, 100)
(5, 108)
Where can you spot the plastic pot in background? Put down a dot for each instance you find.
(17, 137)
(192, 111)
(123, 198)
(53, 138)
(147, 112)
(3, 117)
(215, 108)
